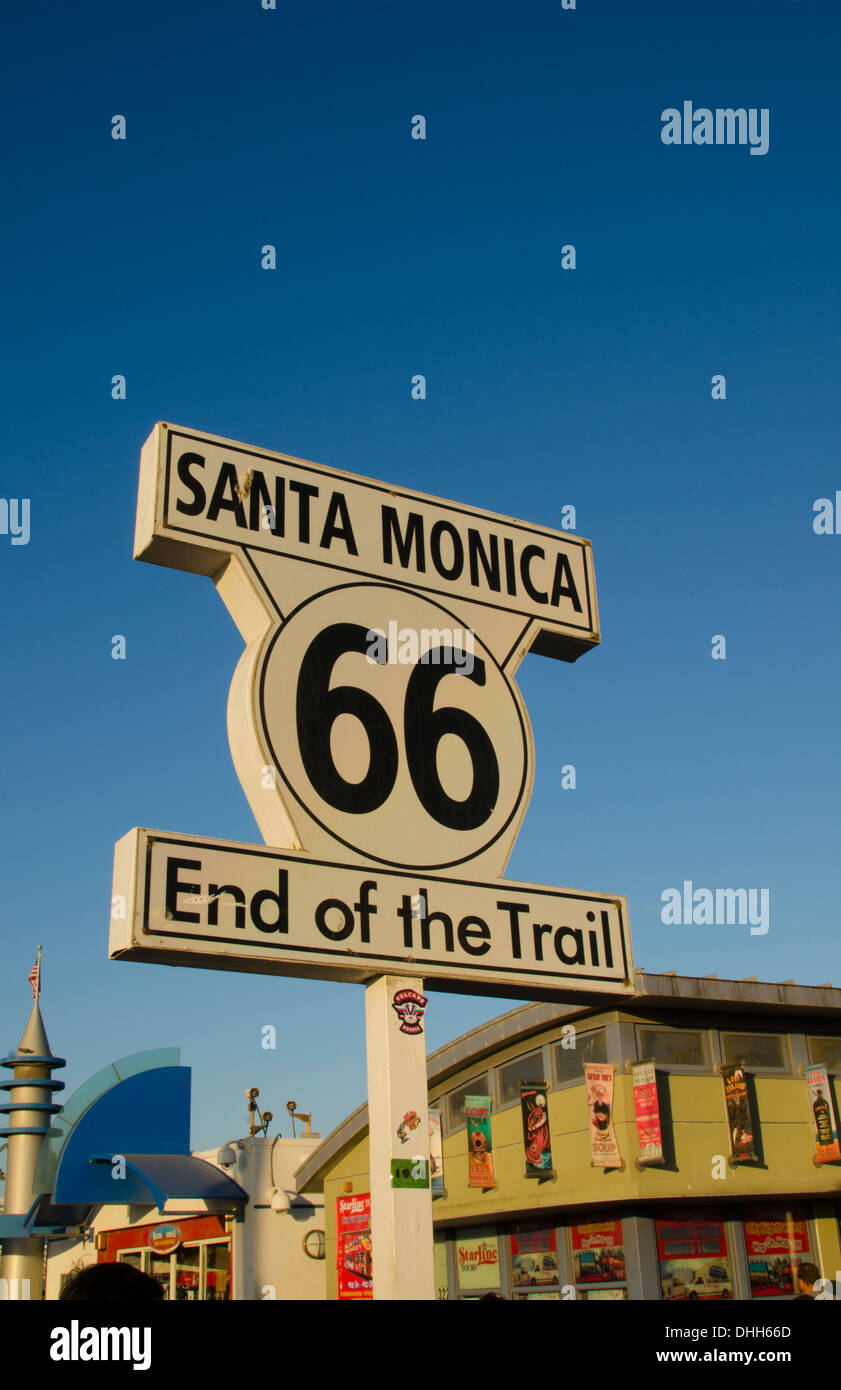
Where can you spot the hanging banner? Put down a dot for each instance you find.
(740, 1126)
(436, 1152)
(647, 1111)
(480, 1164)
(353, 1246)
(604, 1150)
(827, 1148)
(536, 1129)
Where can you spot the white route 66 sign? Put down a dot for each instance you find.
(373, 718)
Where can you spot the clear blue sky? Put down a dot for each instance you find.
(545, 387)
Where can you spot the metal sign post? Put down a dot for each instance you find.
(385, 750)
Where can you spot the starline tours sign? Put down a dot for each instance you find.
(377, 730)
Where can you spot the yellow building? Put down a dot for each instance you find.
(697, 1225)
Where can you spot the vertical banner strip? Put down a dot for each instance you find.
(604, 1150)
(480, 1164)
(827, 1147)
(536, 1139)
(647, 1112)
(436, 1152)
(740, 1121)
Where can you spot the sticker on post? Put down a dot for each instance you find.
(410, 1172)
(409, 1007)
(410, 1121)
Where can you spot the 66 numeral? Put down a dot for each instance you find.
(317, 707)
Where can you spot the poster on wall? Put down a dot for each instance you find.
(598, 1253)
(777, 1241)
(604, 1150)
(534, 1256)
(536, 1139)
(480, 1164)
(477, 1258)
(693, 1256)
(353, 1246)
(827, 1148)
(647, 1111)
(740, 1125)
(436, 1152)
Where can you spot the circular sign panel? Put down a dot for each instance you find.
(165, 1238)
(394, 727)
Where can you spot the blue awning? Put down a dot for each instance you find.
(172, 1175)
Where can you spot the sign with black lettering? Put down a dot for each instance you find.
(376, 728)
(185, 900)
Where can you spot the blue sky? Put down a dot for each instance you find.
(545, 387)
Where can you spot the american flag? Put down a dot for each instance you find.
(35, 976)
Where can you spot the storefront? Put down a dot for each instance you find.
(190, 1258)
(691, 1149)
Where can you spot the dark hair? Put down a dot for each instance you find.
(111, 1283)
(808, 1273)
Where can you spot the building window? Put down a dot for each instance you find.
(598, 1259)
(535, 1272)
(455, 1100)
(439, 1255)
(693, 1255)
(672, 1047)
(218, 1271)
(826, 1051)
(778, 1245)
(569, 1060)
(477, 1261)
(762, 1050)
(532, 1067)
(313, 1244)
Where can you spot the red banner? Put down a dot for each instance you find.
(353, 1246)
(647, 1110)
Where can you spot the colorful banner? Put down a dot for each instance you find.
(534, 1256)
(477, 1259)
(436, 1152)
(777, 1241)
(827, 1148)
(693, 1256)
(604, 1150)
(740, 1126)
(353, 1246)
(647, 1110)
(536, 1139)
(598, 1253)
(480, 1164)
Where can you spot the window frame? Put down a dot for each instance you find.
(500, 1068)
(646, 1052)
(754, 1068)
(561, 1084)
(453, 1126)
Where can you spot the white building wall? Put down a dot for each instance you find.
(269, 1260)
